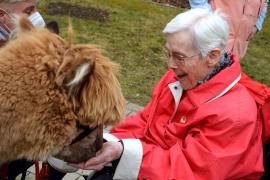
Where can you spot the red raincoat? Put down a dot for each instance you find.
(213, 133)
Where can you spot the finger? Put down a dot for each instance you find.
(79, 165)
(96, 167)
(95, 161)
(101, 158)
(100, 167)
(98, 153)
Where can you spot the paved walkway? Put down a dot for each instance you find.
(132, 108)
(78, 175)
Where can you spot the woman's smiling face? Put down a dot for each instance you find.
(185, 60)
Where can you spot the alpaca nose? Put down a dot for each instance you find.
(84, 146)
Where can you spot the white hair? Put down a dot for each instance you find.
(208, 29)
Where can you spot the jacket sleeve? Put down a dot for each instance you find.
(209, 153)
(133, 126)
(261, 94)
(130, 131)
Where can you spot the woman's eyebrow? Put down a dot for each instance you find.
(178, 53)
(175, 52)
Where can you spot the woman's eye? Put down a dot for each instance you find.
(180, 58)
(3, 13)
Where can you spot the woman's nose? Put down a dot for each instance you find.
(171, 63)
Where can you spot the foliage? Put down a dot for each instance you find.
(256, 62)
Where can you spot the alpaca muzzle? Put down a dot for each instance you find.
(84, 146)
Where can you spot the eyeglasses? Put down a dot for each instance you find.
(4, 20)
(180, 59)
(3, 12)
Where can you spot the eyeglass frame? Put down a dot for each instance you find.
(177, 56)
(3, 14)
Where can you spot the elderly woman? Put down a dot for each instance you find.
(19, 7)
(201, 123)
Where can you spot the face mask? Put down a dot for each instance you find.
(3, 34)
(37, 20)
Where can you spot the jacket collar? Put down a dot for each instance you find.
(177, 92)
(217, 86)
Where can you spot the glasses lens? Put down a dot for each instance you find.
(3, 13)
(6, 20)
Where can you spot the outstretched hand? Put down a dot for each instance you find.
(109, 152)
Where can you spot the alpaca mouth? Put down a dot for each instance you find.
(84, 146)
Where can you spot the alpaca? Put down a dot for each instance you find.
(55, 96)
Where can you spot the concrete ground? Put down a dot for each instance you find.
(78, 175)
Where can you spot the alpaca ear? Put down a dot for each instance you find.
(81, 72)
(74, 76)
(53, 27)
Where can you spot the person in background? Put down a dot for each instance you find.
(196, 125)
(245, 17)
(9, 8)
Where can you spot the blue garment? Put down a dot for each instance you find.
(262, 16)
(204, 4)
(200, 4)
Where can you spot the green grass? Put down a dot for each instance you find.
(257, 59)
(132, 37)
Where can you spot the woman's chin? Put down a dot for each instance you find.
(186, 86)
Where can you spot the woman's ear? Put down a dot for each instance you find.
(213, 57)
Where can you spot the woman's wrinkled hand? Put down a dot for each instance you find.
(109, 152)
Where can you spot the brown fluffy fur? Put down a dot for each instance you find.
(38, 109)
